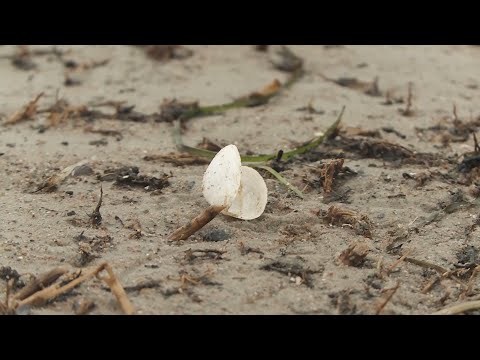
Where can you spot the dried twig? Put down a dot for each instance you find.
(387, 299)
(398, 262)
(41, 282)
(196, 224)
(459, 308)
(95, 216)
(41, 297)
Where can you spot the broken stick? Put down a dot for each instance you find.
(196, 224)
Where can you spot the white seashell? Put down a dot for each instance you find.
(251, 198)
(221, 180)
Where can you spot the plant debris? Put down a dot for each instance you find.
(172, 110)
(184, 232)
(245, 250)
(106, 132)
(192, 255)
(8, 274)
(95, 216)
(91, 248)
(27, 113)
(178, 159)
(261, 48)
(286, 60)
(328, 171)
(361, 224)
(343, 303)
(387, 298)
(368, 88)
(83, 306)
(468, 257)
(52, 183)
(292, 268)
(167, 52)
(408, 111)
(354, 255)
(41, 291)
(128, 176)
(22, 59)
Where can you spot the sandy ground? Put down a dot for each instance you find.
(38, 231)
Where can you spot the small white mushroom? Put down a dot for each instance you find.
(240, 189)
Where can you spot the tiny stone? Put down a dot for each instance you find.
(216, 235)
(69, 193)
(82, 171)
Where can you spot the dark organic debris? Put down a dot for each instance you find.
(261, 48)
(468, 257)
(471, 161)
(167, 52)
(327, 172)
(245, 250)
(129, 177)
(354, 255)
(391, 130)
(217, 235)
(343, 303)
(172, 110)
(203, 254)
(390, 100)
(22, 59)
(91, 248)
(178, 159)
(106, 132)
(286, 60)
(408, 111)
(97, 143)
(311, 110)
(361, 224)
(420, 178)
(369, 88)
(207, 144)
(292, 268)
(455, 130)
(95, 216)
(7, 274)
(146, 284)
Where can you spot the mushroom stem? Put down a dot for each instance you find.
(197, 223)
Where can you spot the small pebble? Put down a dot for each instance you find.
(216, 235)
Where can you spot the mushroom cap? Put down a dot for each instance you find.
(251, 198)
(221, 180)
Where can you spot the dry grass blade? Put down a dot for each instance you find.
(387, 299)
(398, 262)
(460, 308)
